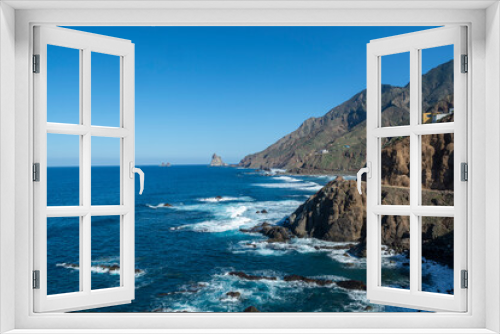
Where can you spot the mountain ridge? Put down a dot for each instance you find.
(336, 141)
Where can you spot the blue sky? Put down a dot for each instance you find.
(228, 90)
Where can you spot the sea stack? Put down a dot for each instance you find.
(217, 161)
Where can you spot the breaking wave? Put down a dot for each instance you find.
(226, 199)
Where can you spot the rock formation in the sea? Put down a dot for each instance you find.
(317, 281)
(233, 294)
(335, 213)
(248, 277)
(217, 161)
(275, 233)
(337, 141)
(352, 285)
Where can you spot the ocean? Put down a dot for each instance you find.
(185, 251)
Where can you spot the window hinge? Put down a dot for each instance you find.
(36, 172)
(465, 279)
(465, 64)
(36, 279)
(36, 63)
(464, 168)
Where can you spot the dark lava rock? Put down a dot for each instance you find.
(335, 213)
(264, 211)
(167, 205)
(295, 278)
(233, 294)
(339, 247)
(352, 285)
(242, 275)
(251, 309)
(275, 233)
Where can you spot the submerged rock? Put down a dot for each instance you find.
(242, 275)
(338, 247)
(320, 282)
(233, 294)
(251, 309)
(352, 285)
(275, 233)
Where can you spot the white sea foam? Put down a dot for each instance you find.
(212, 295)
(97, 269)
(299, 245)
(286, 178)
(226, 199)
(299, 185)
(233, 221)
(274, 171)
(230, 216)
(159, 206)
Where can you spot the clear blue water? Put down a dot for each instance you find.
(184, 252)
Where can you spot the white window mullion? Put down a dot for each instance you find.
(40, 156)
(460, 156)
(85, 167)
(414, 179)
(373, 155)
(127, 120)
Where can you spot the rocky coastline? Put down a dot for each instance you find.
(337, 213)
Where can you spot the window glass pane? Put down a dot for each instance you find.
(395, 251)
(437, 169)
(105, 171)
(395, 170)
(395, 73)
(105, 252)
(437, 254)
(437, 84)
(63, 255)
(105, 90)
(63, 170)
(63, 85)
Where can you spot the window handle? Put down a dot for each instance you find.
(368, 171)
(134, 170)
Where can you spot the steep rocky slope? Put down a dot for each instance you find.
(338, 212)
(336, 142)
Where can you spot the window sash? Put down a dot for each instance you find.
(413, 43)
(86, 297)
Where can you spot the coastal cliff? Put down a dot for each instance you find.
(337, 212)
(336, 142)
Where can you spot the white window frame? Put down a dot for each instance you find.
(484, 50)
(414, 43)
(86, 44)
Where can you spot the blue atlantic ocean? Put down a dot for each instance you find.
(189, 238)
